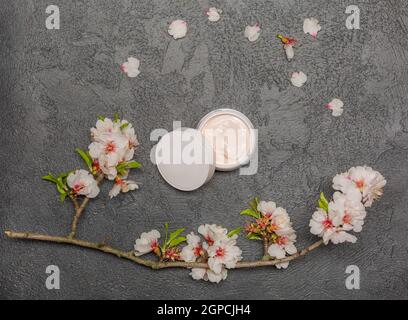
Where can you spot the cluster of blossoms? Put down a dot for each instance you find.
(357, 189)
(218, 250)
(112, 151)
(272, 225)
(110, 156)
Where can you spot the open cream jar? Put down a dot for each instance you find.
(187, 158)
(232, 137)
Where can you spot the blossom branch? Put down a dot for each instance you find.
(150, 263)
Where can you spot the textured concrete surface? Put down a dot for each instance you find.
(55, 83)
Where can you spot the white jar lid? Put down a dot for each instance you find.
(185, 159)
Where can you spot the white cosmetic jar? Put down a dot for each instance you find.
(232, 136)
(185, 159)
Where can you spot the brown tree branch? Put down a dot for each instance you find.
(150, 263)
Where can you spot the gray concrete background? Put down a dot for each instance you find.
(55, 83)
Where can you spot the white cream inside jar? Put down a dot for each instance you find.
(231, 135)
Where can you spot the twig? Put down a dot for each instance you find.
(79, 209)
(150, 263)
(265, 248)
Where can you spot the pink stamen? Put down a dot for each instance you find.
(360, 184)
(220, 252)
(327, 224)
(77, 187)
(198, 251)
(347, 219)
(154, 245)
(209, 240)
(282, 241)
(110, 147)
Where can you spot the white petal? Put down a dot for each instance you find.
(252, 33)
(290, 52)
(215, 265)
(131, 67)
(214, 14)
(276, 251)
(284, 265)
(198, 274)
(298, 79)
(178, 29)
(187, 254)
(115, 191)
(290, 249)
(311, 26)
(217, 277)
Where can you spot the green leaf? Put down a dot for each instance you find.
(133, 165)
(86, 157)
(175, 242)
(175, 234)
(125, 125)
(253, 236)
(166, 228)
(50, 178)
(63, 175)
(60, 189)
(251, 213)
(234, 232)
(254, 204)
(323, 203)
(116, 117)
(102, 118)
(124, 166)
(63, 196)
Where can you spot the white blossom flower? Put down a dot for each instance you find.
(213, 233)
(214, 14)
(131, 67)
(298, 79)
(253, 32)
(283, 245)
(83, 183)
(113, 143)
(329, 227)
(223, 253)
(312, 27)
(129, 132)
(110, 150)
(267, 208)
(123, 186)
(193, 249)
(103, 127)
(336, 106)
(178, 29)
(281, 223)
(209, 275)
(148, 242)
(368, 182)
(350, 209)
